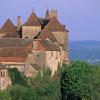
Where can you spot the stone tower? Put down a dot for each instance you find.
(32, 27)
(60, 33)
(53, 13)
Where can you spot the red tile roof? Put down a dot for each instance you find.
(13, 54)
(14, 42)
(32, 20)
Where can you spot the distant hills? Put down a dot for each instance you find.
(85, 50)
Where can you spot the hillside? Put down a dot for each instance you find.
(85, 50)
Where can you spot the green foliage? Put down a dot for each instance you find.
(19, 92)
(79, 80)
(5, 95)
(17, 77)
(45, 87)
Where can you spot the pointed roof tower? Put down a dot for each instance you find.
(47, 16)
(8, 26)
(32, 20)
(54, 25)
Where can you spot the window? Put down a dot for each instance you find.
(26, 37)
(35, 45)
(2, 73)
(26, 30)
(51, 53)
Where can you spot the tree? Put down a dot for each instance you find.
(45, 87)
(5, 95)
(78, 81)
(17, 77)
(19, 92)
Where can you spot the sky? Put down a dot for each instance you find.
(81, 17)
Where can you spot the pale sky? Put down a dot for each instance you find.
(81, 17)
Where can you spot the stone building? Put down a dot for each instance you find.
(32, 27)
(47, 54)
(5, 81)
(38, 43)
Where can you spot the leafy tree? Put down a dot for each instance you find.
(46, 88)
(17, 77)
(78, 81)
(19, 92)
(5, 95)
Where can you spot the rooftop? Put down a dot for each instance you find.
(47, 34)
(54, 25)
(32, 20)
(14, 42)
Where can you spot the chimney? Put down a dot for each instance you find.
(53, 13)
(19, 23)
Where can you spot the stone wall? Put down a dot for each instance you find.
(62, 38)
(39, 57)
(5, 81)
(52, 60)
(30, 31)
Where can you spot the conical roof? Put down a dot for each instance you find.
(8, 26)
(32, 20)
(54, 25)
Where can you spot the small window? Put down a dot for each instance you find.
(3, 74)
(52, 54)
(26, 37)
(26, 30)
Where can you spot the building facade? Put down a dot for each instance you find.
(38, 43)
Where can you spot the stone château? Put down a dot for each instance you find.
(38, 43)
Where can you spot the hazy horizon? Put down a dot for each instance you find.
(81, 17)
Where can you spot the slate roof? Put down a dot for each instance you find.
(14, 42)
(54, 25)
(8, 29)
(32, 20)
(47, 34)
